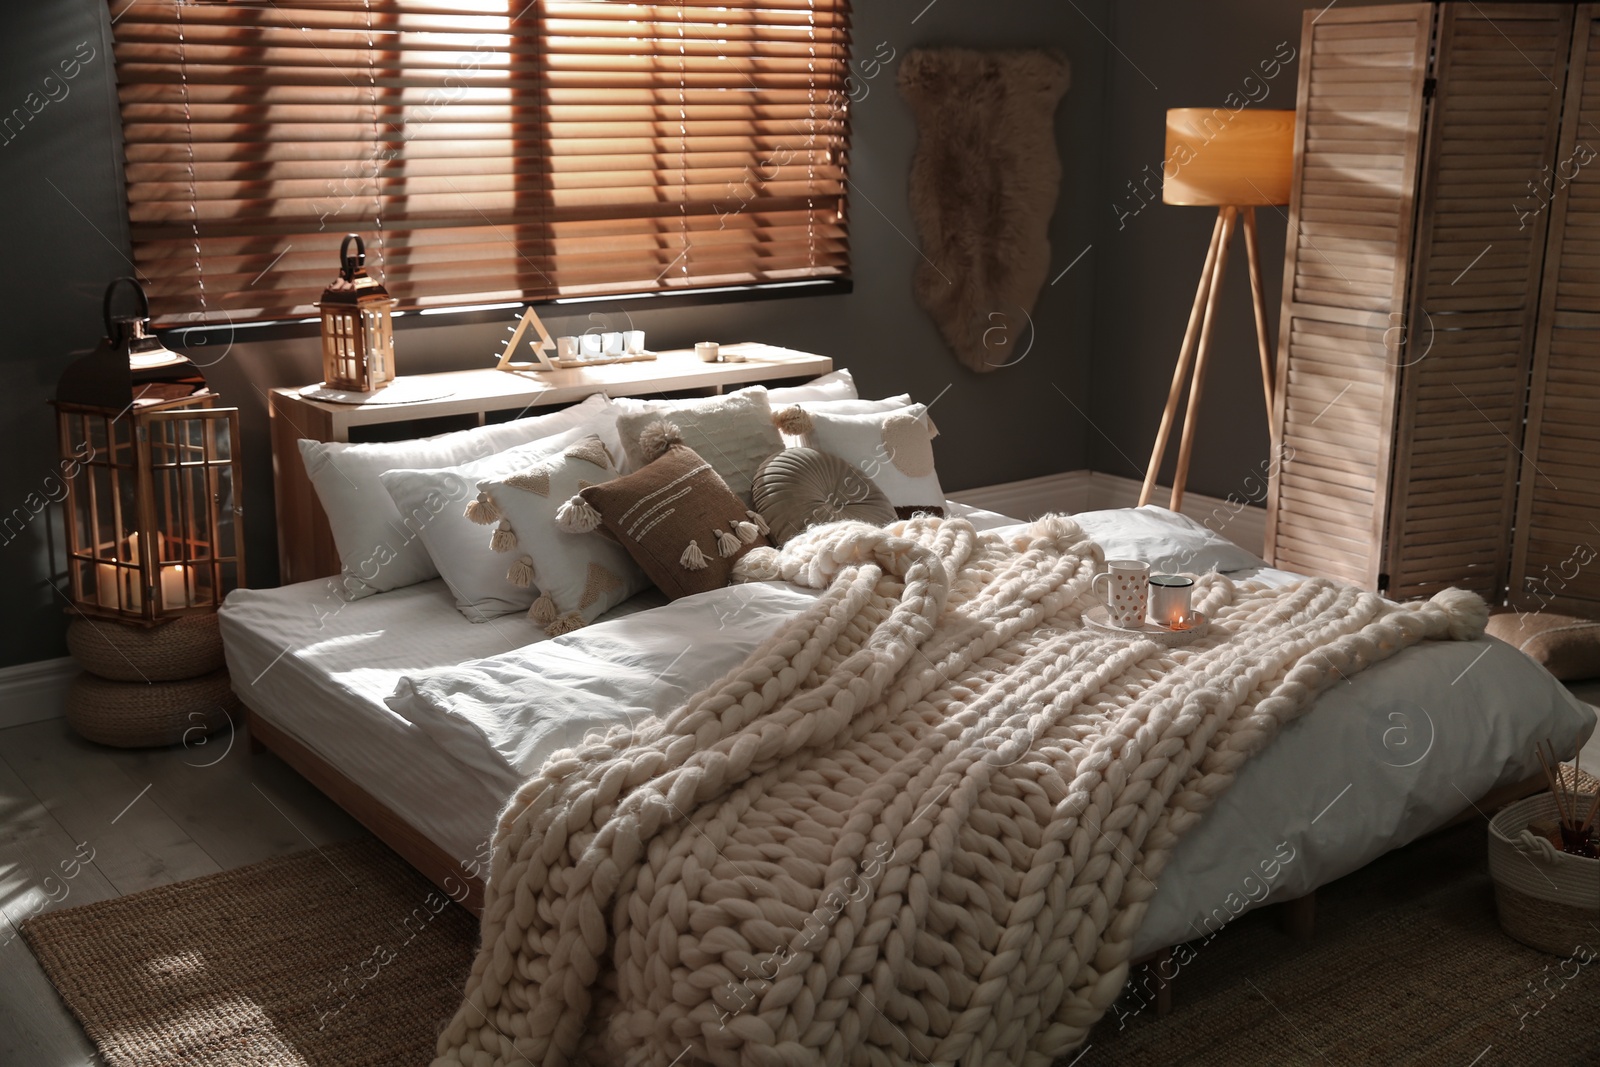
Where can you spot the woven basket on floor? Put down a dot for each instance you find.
(186, 647)
(1547, 899)
(146, 715)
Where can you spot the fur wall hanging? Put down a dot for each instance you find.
(983, 186)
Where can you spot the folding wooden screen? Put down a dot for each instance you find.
(1557, 559)
(1412, 292)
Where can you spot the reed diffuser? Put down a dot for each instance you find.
(1575, 809)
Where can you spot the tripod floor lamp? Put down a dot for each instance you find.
(1235, 162)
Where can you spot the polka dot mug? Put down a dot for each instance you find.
(1127, 591)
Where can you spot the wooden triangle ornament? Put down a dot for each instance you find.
(544, 345)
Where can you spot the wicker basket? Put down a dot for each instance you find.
(1547, 899)
(183, 648)
(147, 715)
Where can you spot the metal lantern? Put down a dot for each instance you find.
(357, 326)
(153, 478)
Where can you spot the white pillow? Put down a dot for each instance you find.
(378, 551)
(836, 385)
(435, 501)
(733, 433)
(829, 407)
(893, 448)
(542, 541)
(1171, 543)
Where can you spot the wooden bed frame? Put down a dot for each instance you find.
(306, 551)
(431, 861)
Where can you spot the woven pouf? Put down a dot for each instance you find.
(149, 714)
(186, 647)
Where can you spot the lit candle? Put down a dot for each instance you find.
(133, 545)
(174, 586)
(106, 578)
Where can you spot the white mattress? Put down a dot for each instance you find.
(1377, 762)
(319, 668)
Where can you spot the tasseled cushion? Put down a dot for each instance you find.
(664, 513)
(541, 508)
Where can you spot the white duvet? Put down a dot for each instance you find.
(1378, 761)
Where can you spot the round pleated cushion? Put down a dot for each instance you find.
(183, 648)
(149, 714)
(801, 487)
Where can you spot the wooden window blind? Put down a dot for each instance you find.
(486, 150)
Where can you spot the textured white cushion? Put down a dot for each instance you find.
(833, 407)
(893, 448)
(378, 551)
(835, 385)
(579, 575)
(435, 503)
(733, 433)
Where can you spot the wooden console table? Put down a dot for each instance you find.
(303, 532)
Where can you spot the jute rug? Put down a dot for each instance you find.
(1407, 966)
(342, 957)
(287, 963)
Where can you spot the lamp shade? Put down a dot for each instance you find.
(1217, 157)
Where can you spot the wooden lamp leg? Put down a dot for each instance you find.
(1180, 373)
(1259, 298)
(1186, 442)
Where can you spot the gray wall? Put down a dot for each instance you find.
(64, 244)
(1150, 258)
(65, 236)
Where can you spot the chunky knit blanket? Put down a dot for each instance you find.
(920, 824)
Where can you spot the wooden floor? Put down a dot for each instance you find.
(151, 817)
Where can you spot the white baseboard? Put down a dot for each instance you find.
(31, 692)
(1085, 490)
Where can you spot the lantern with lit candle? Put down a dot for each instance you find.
(357, 325)
(152, 501)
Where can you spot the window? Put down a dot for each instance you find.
(486, 150)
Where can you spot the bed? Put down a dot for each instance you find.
(422, 723)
